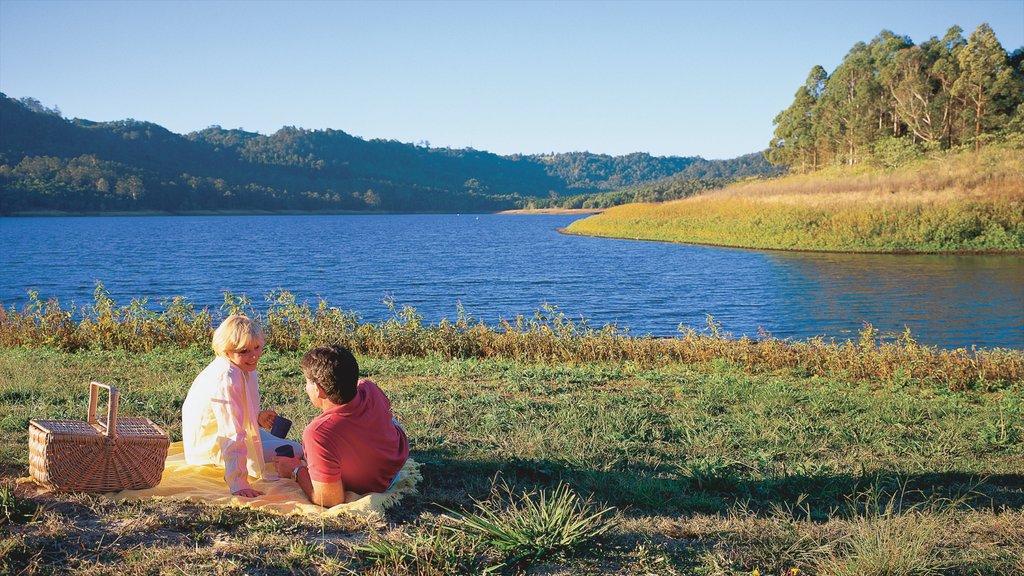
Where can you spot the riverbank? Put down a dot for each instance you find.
(548, 336)
(709, 469)
(965, 203)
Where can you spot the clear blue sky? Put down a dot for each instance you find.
(683, 78)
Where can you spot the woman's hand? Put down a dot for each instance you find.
(248, 493)
(266, 418)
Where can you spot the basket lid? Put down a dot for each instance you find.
(62, 427)
(127, 427)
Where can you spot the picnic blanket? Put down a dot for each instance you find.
(205, 484)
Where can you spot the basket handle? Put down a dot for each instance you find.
(94, 393)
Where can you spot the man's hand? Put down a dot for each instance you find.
(266, 418)
(285, 465)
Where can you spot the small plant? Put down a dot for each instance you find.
(303, 552)
(534, 525)
(433, 551)
(13, 510)
(892, 538)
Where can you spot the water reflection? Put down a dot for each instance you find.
(950, 300)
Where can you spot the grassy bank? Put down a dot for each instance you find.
(956, 202)
(709, 469)
(547, 336)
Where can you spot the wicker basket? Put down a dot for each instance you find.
(101, 455)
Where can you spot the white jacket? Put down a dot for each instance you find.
(219, 422)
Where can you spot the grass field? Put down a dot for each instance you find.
(956, 202)
(708, 467)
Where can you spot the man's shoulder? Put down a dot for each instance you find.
(321, 430)
(370, 388)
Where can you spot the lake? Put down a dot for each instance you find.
(499, 266)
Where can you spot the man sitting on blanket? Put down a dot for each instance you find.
(356, 444)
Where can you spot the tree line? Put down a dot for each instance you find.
(48, 162)
(697, 177)
(891, 100)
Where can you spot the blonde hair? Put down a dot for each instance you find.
(235, 333)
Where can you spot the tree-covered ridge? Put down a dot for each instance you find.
(699, 176)
(48, 162)
(891, 100)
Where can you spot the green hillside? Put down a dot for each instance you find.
(49, 163)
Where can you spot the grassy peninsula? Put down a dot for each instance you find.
(954, 202)
(549, 447)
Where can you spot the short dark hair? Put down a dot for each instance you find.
(334, 369)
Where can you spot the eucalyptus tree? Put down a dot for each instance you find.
(914, 95)
(943, 69)
(985, 77)
(796, 128)
(923, 88)
(886, 54)
(848, 105)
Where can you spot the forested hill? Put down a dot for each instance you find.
(891, 101)
(48, 162)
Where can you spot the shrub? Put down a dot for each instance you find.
(534, 525)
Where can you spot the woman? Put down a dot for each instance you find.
(221, 421)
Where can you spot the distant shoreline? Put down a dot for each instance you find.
(554, 211)
(62, 213)
(67, 213)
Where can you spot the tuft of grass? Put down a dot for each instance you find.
(536, 524)
(427, 551)
(891, 538)
(14, 509)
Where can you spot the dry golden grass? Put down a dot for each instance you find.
(549, 336)
(957, 202)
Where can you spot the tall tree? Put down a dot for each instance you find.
(886, 51)
(944, 71)
(795, 138)
(985, 75)
(848, 105)
(914, 95)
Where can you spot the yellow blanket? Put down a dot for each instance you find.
(206, 484)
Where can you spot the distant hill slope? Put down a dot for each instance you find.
(48, 162)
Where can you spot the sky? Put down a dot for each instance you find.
(670, 78)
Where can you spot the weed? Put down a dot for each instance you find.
(534, 525)
(890, 537)
(429, 551)
(13, 509)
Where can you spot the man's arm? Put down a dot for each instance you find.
(325, 494)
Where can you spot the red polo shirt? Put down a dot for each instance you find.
(357, 443)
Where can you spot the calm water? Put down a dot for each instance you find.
(499, 266)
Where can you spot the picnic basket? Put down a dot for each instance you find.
(101, 455)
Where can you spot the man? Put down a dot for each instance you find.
(354, 444)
